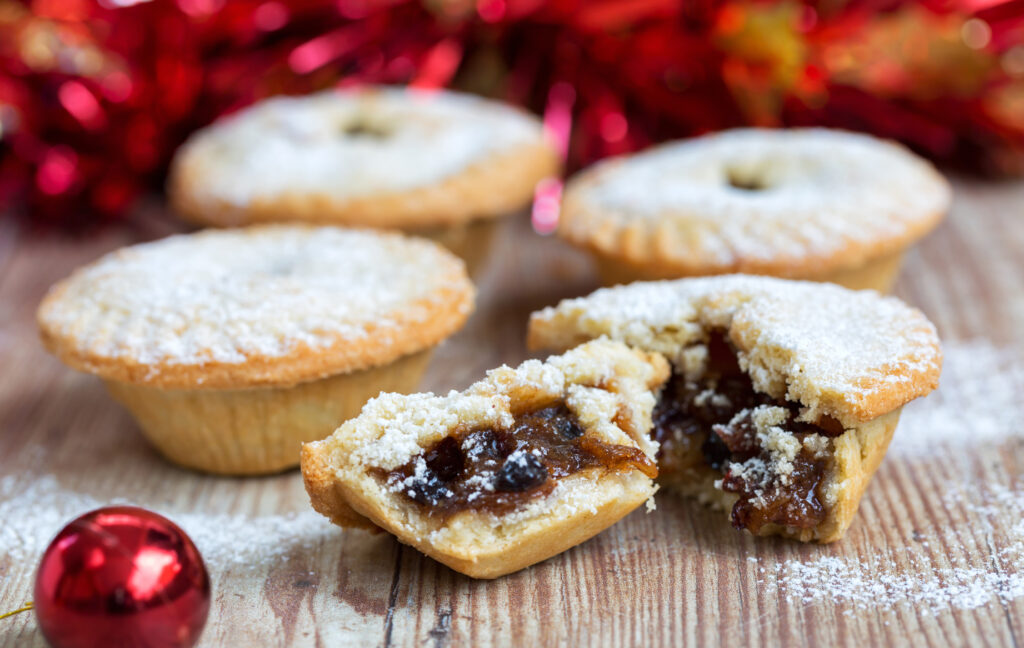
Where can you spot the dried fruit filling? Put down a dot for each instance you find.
(711, 421)
(496, 470)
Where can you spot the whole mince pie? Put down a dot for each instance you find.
(784, 395)
(435, 163)
(233, 347)
(519, 467)
(800, 203)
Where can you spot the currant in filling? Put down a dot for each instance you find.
(713, 422)
(496, 470)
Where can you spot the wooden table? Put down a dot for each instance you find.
(677, 576)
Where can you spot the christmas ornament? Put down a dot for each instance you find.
(121, 576)
(95, 96)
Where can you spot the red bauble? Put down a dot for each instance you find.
(122, 576)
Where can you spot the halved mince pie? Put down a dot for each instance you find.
(784, 395)
(521, 466)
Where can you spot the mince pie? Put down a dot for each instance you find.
(429, 162)
(784, 395)
(523, 465)
(232, 347)
(815, 204)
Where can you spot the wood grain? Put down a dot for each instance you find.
(678, 576)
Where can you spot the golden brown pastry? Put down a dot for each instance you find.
(233, 347)
(435, 163)
(815, 204)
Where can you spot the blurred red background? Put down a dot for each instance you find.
(94, 97)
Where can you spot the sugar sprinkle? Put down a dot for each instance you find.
(977, 403)
(994, 576)
(43, 507)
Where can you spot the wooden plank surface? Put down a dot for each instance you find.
(936, 556)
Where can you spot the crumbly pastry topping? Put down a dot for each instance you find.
(351, 143)
(851, 356)
(509, 447)
(603, 384)
(758, 201)
(263, 304)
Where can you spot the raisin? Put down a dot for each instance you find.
(825, 426)
(446, 459)
(521, 472)
(445, 462)
(568, 429)
(721, 358)
(795, 505)
(428, 489)
(739, 391)
(616, 457)
(740, 437)
(715, 452)
(490, 444)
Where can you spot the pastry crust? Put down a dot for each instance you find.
(418, 159)
(819, 202)
(257, 430)
(879, 273)
(855, 357)
(262, 306)
(850, 355)
(606, 386)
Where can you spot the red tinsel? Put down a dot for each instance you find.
(95, 97)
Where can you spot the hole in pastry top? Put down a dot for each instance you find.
(745, 180)
(496, 470)
(361, 126)
(775, 463)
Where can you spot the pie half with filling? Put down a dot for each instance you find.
(519, 467)
(784, 395)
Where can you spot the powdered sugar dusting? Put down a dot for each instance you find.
(924, 580)
(228, 296)
(35, 510)
(978, 403)
(810, 193)
(838, 352)
(353, 143)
